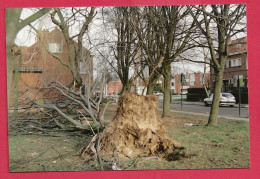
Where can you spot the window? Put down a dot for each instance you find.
(83, 68)
(239, 45)
(55, 47)
(227, 95)
(239, 62)
(192, 83)
(172, 83)
(192, 79)
(230, 81)
(31, 61)
(187, 78)
(201, 78)
(227, 65)
(233, 63)
(236, 62)
(235, 81)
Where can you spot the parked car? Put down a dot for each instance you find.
(157, 93)
(112, 97)
(184, 92)
(174, 93)
(226, 99)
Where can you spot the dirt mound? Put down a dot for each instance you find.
(137, 130)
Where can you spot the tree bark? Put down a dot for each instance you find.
(125, 86)
(16, 87)
(150, 87)
(12, 17)
(75, 51)
(167, 89)
(215, 103)
(152, 83)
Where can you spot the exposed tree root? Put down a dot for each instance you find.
(138, 131)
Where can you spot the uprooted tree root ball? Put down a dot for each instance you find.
(138, 131)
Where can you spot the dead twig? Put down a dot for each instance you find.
(98, 148)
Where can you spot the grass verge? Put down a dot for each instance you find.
(223, 146)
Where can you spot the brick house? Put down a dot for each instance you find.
(35, 63)
(236, 65)
(192, 80)
(114, 87)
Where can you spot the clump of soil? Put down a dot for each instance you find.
(137, 130)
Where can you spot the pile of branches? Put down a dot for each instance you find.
(54, 107)
(57, 110)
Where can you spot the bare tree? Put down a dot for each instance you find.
(167, 34)
(219, 24)
(125, 50)
(75, 50)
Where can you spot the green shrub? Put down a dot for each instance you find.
(196, 90)
(244, 94)
(158, 87)
(196, 97)
(196, 94)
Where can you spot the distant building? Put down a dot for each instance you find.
(140, 85)
(191, 80)
(236, 65)
(35, 63)
(114, 87)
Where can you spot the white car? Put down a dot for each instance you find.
(157, 93)
(226, 99)
(184, 92)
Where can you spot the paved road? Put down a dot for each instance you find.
(199, 107)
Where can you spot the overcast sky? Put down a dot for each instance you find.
(26, 37)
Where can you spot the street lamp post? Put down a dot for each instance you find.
(181, 88)
(240, 84)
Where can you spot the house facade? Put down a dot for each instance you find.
(235, 67)
(113, 87)
(191, 80)
(36, 63)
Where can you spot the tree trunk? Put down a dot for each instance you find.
(152, 83)
(12, 20)
(167, 90)
(150, 88)
(9, 62)
(215, 103)
(16, 87)
(125, 86)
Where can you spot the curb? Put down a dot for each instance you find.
(202, 114)
(201, 103)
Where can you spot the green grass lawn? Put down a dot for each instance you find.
(223, 146)
(41, 153)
